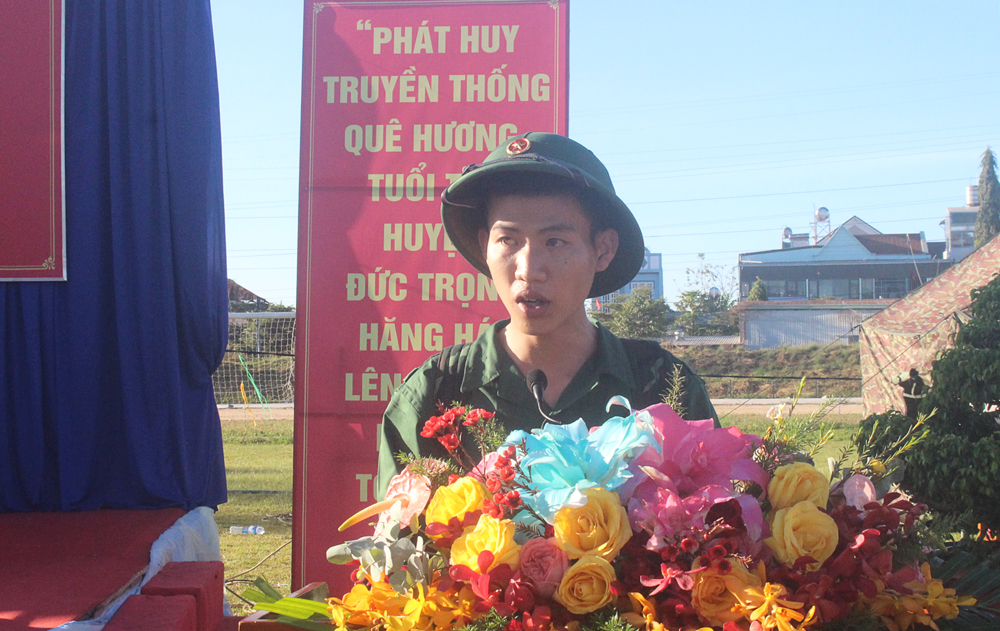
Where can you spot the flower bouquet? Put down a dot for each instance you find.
(647, 522)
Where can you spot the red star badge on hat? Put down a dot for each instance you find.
(518, 146)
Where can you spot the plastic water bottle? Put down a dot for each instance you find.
(246, 530)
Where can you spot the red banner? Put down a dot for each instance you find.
(397, 98)
(31, 153)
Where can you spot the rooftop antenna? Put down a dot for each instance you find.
(821, 223)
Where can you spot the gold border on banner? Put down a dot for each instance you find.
(57, 172)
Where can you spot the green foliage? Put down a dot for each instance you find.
(954, 474)
(707, 303)
(606, 619)
(882, 440)
(966, 377)
(971, 575)
(799, 437)
(758, 292)
(639, 316)
(304, 613)
(674, 394)
(705, 314)
(956, 468)
(490, 622)
(988, 219)
(437, 471)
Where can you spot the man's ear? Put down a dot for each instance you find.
(606, 243)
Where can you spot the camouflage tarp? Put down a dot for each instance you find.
(912, 331)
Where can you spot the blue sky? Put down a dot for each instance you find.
(720, 122)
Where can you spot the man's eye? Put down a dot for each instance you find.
(555, 241)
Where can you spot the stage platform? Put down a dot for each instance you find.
(72, 571)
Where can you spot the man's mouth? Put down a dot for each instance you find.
(531, 302)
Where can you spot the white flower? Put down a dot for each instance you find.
(778, 412)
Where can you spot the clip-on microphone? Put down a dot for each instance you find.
(537, 381)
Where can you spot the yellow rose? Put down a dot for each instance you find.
(714, 593)
(802, 530)
(586, 586)
(466, 495)
(495, 535)
(599, 527)
(798, 482)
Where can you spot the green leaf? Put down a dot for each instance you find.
(256, 596)
(957, 563)
(271, 593)
(298, 608)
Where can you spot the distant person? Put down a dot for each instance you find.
(913, 391)
(541, 218)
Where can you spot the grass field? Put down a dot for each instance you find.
(259, 475)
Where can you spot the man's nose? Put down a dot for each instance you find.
(531, 265)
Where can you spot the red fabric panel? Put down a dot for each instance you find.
(58, 566)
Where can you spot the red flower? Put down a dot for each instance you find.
(519, 594)
(671, 574)
(537, 620)
(450, 441)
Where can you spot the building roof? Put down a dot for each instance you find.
(239, 292)
(892, 243)
(848, 243)
(855, 225)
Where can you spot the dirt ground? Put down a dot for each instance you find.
(805, 406)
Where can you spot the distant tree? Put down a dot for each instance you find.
(758, 292)
(706, 314)
(708, 301)
(988, 219)
(638, 316)
(707, 276)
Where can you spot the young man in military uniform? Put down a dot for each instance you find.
(541, 218)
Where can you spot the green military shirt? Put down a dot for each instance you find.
(484, 376)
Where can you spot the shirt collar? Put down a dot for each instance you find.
(487, 360)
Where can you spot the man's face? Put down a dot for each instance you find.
(542, 258)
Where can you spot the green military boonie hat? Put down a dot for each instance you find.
(562, 158)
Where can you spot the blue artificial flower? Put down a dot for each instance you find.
(564, 460)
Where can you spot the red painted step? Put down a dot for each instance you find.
(155, 613)
(199, 579)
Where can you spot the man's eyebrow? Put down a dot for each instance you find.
(514, 227)
(505, 225)
(559, 227)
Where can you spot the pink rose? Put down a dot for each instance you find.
(859, 490)
(543, 563)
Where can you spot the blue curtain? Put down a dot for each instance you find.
(105, 379)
